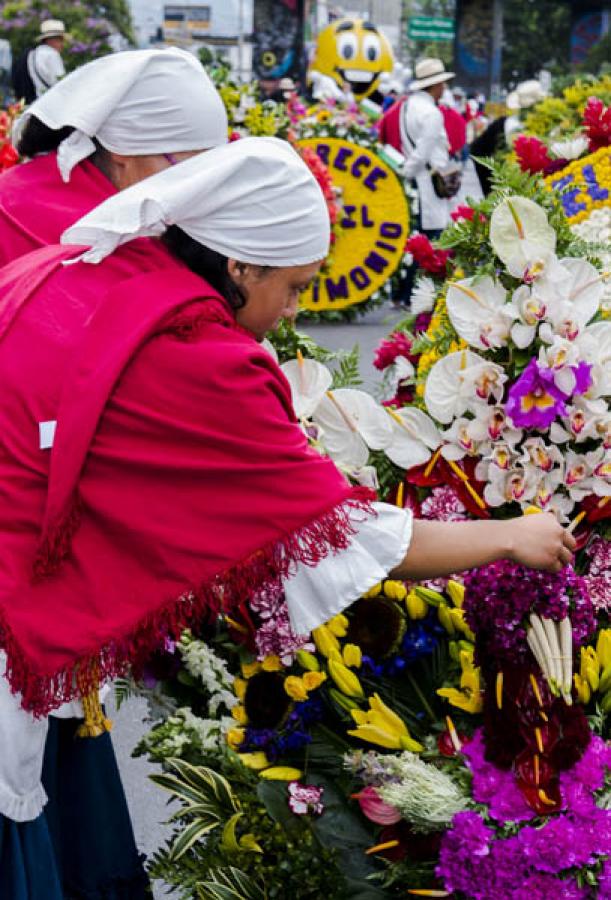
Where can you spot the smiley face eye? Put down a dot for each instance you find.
(372, 47)
(346, 46)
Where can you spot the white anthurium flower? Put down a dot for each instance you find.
(542, 456)
(516, 485)
(588, 473)
(267, 345)
(571, 149)
(521, 236)
(414, 437)
(309, 381)
(400, 370)
(423, 296)
(463, 438)
(462, 381)
(595, 345)
(477, 311)
(352, 423)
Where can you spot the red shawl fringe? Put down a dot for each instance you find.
(262, 571)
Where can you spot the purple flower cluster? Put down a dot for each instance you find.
(479, 864)
(290, 736)
(499, 597)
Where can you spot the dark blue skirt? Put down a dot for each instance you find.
(84, 839)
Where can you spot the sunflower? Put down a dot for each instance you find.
(377, 626)
(265, 700)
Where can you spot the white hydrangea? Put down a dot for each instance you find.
(203, 663)
(425, 796)
(596, 229)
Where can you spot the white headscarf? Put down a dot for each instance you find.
(136, 103)
(254, 200)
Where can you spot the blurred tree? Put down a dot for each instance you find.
(90, 25)
(536, 36)
(598, 60)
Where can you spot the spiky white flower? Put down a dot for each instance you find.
(423, 296)
(425, 796)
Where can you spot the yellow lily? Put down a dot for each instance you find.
(250, 669)
(417, 608)
(295, 688)
(603, 648)
(257, 760)
(239, 687)
(272, 663)
(313, 680)
(338, 625)
(584, 692)
(457, 616)
(373, 592)
(456, 592)
(239, 714)
(352, 655)
(325, 640)
(345, 679)
(395, 590)
(380, 725)
(469, 697)
(307, 661)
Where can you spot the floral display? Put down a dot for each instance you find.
(8, 155)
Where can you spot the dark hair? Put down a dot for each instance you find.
(39, 138)
(207, 263)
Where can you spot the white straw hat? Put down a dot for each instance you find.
(428, 72)
(51, 28)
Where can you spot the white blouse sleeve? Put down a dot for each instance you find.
(316, 593)
(22, 744)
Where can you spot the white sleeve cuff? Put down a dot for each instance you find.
(316, 593)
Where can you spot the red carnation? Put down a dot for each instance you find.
(532, 154)
(597, 123)
(398, 344)
(425, 255)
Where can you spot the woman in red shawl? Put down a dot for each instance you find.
(107, 125)
(152, 470)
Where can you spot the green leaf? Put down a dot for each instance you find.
(178, 788)
(230, 884)
(346, 373)
(192, 833)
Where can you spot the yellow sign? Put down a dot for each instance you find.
(584, 185)
(353, 52)
(374, 224)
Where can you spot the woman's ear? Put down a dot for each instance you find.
(239, 272)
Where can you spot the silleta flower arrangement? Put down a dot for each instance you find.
(444, 739)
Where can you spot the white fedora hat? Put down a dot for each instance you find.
(428, 72)
(51, 28)
(525, 95)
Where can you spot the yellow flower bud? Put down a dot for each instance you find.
(338, 625)
(325, 640)
(313, 680)
(417, 608)
(307, 661)
(295, 688)
(603, 647)
(353, 655)
(239, 687)
(239, 714)
(446, 619)
(235, 736)
(250, 669)
(282, 773)
(345, 679)
(456, 592)
(374, 591)
(257, 760)
(272, 664)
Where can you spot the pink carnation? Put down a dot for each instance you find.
(305, 798)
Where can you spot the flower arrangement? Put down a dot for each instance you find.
(557, 117)
(8, 155)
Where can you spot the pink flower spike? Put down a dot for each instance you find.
(375, 809)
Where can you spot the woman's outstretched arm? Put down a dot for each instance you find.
(443, 548)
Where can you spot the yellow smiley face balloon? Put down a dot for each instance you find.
(353, 52)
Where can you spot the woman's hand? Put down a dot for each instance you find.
(445, 548)
(540, 542)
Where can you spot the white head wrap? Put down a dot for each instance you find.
(254, 200)
(136, 103)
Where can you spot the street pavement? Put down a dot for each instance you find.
(147, 803)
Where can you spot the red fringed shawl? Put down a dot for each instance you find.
(179, 482)
(36, 206)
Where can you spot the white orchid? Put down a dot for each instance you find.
(414, 437)
(459, 382)
(542, 456)
(580, 300)
(423, 296)
(522, 237)
(561, 357)
(527, 310)
(477, 311)
(571, 149)
(352, 424)
(588, 473)
(464, 438)
(510, 486)
(549, 499)
(582, 421)
(309, 381)
(499, 455)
